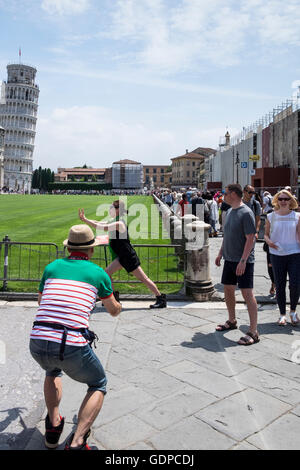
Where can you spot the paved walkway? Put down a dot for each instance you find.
(173, 381)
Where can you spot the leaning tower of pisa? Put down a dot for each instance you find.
(18, 116)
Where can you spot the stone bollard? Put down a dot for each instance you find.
(198, 283)
(177, 238)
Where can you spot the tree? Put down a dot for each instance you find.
(41, 178)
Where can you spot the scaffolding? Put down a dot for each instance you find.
(127, 176)
(277, 114)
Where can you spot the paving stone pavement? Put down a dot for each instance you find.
(174, 383)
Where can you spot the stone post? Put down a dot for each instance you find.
(198, 283)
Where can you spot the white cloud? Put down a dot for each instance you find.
(278, 23)
(174, 38)
(94, 135)
(65, 7)
(178, 37)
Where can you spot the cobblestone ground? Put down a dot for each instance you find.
(174, 383)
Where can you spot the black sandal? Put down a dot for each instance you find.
(228, 325)
(246, 341)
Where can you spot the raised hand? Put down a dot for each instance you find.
(81, 215)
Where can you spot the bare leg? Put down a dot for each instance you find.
(252, 308)
(113, 268)
(53, 394)
(141, 276)
(229, 293)
(88, 412)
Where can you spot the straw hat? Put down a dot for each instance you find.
(81, 236)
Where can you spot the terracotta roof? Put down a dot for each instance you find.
(204, 151)
(81, 170)
(190, 155)
(156, 166)
(127, 161)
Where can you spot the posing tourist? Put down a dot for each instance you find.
(282, 234)
(123, 253)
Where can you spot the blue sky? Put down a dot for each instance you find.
(148, 79)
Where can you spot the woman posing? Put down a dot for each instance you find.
(123, 253)
(282, 234)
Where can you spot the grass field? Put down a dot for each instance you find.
(47, 219)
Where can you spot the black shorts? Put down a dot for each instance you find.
(229, 276)
(129, 261)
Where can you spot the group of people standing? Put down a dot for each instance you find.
(60, 338)
(282, 239)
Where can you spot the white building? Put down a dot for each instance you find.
(236, 162)
(18, 116)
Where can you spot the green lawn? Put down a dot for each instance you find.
(47, 219)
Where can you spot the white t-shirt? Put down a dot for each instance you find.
(283, 232)
(267, 201)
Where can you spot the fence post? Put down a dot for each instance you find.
(6, 241)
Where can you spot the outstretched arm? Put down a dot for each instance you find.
(107, 227)
(90, 222)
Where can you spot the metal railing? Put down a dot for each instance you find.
(25, 262)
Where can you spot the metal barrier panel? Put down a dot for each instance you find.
(25, 262)
(159, 262)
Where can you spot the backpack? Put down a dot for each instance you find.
(206, 212)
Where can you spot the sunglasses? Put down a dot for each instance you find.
(250, 192)
(284, 199)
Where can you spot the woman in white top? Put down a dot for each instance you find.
(282, 234)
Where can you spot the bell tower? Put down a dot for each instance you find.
(18, 116)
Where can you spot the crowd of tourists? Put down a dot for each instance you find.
(61, 340)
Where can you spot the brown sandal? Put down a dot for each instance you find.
(228, 325)
(246, 341)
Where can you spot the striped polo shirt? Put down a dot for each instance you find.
(69, 290)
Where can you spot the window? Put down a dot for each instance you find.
(147, 170)
(162, 170)
(193, 163)
(154, 170)
(162, 179)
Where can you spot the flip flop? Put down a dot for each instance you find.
(245, 339)
(228, 325)
(294, 319)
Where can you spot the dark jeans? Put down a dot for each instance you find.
(283, 266)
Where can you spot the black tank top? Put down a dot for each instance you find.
(120, 242)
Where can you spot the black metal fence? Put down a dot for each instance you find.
(23, 262)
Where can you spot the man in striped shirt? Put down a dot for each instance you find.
(60, 339)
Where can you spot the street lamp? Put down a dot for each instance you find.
(237, 161)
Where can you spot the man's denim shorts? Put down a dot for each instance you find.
(80, 363)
